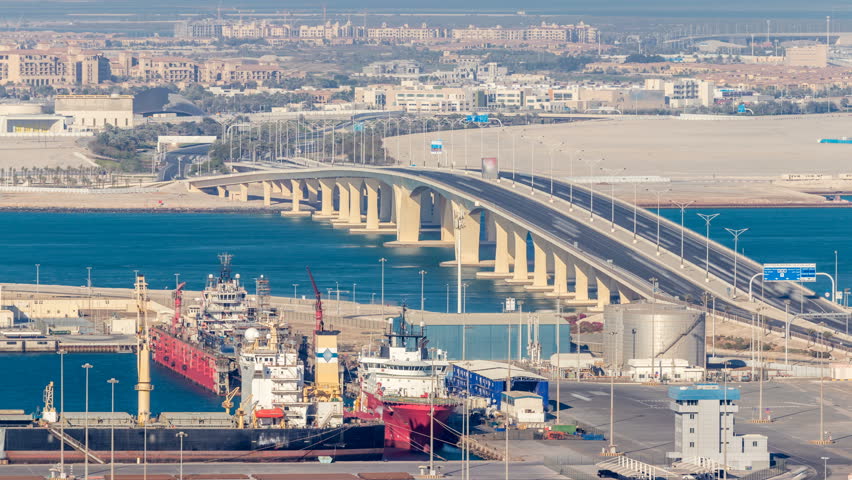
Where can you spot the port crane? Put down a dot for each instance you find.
(320, 325)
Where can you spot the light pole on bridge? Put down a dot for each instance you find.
(682, 206)
(736, 233)
(659, 194)
(707, 219)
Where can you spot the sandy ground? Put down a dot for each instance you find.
(48, 152)
(173, 196)
(716, 161)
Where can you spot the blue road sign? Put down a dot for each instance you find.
(790, 272)
(741, 108)
(477, 118)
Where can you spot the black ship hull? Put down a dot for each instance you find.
(349, 442)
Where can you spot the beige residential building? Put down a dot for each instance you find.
(95, 112)
(52, 67)
(807, 56)
(403, 33)
(684, 92)
(165, 69)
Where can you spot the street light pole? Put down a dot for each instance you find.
(38, 280)
(295, 291)
(86, 366)
(658, 193)
(383, 261)
(611, 448)
(181, 436)
(62, 411)
(112, 382)
(422, 297)
(682, 206)
(736, 234)
(707, 219)
(824, 467)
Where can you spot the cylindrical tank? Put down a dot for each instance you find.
(653, 330)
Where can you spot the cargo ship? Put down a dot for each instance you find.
(198, 346)
(404, 385)
(268, 424)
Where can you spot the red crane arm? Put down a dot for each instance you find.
(320, 325)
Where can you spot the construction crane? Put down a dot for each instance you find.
(229, 400)
(320, 326)
(178, 297)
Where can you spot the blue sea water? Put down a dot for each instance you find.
(160, 245)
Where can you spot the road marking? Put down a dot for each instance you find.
(598, 393)
(581, 397)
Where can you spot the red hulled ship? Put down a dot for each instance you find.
(194, 347)
(405, 387)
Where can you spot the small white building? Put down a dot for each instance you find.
(704, 428)
(670, 369)
(523, 407)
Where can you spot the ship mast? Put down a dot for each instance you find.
(143, 352)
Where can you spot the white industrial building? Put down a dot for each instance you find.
(668, 369)
(523, 407)
(704, 429)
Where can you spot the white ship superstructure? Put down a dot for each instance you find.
(403, 367)
(273, 377)
(224, 298)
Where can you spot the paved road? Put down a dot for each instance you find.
(479, 469)
(180, 158)
(644, 423)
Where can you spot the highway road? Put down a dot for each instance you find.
(180, 158)
(721, 258)
(602, 246)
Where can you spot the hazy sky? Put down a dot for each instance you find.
(733, 9)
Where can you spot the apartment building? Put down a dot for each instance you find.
(807, 56)
(52, 67)
(580, 33)
(684, 92)
(404, 33)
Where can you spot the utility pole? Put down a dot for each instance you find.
(459, 224)
(422, 296)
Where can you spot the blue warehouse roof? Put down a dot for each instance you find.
(704, 391)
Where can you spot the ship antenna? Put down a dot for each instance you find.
(225, 270)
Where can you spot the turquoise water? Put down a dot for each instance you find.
(784, 235)
(25, 375)
(160, 245)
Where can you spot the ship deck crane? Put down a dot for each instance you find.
(228, 403)
(320, 325)
(178, 297)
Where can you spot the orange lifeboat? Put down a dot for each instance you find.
(269, 413)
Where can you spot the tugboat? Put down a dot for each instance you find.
(404, 384)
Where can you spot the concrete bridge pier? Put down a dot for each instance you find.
(267, 193)
(469, 235)
(355, 201)
(541, 251)
(313, 190)
(297, 196)
(386, 206)
(624, 295)
(326, 187)
(342, 201)
(604, 294)
(222, 192)
(243, 195)
(407, 215)
(520, 272)
(581, 286)
(448, 221)
(502, 236)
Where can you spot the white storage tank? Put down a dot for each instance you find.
(653, 330)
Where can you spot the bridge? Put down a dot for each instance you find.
(586, 247)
